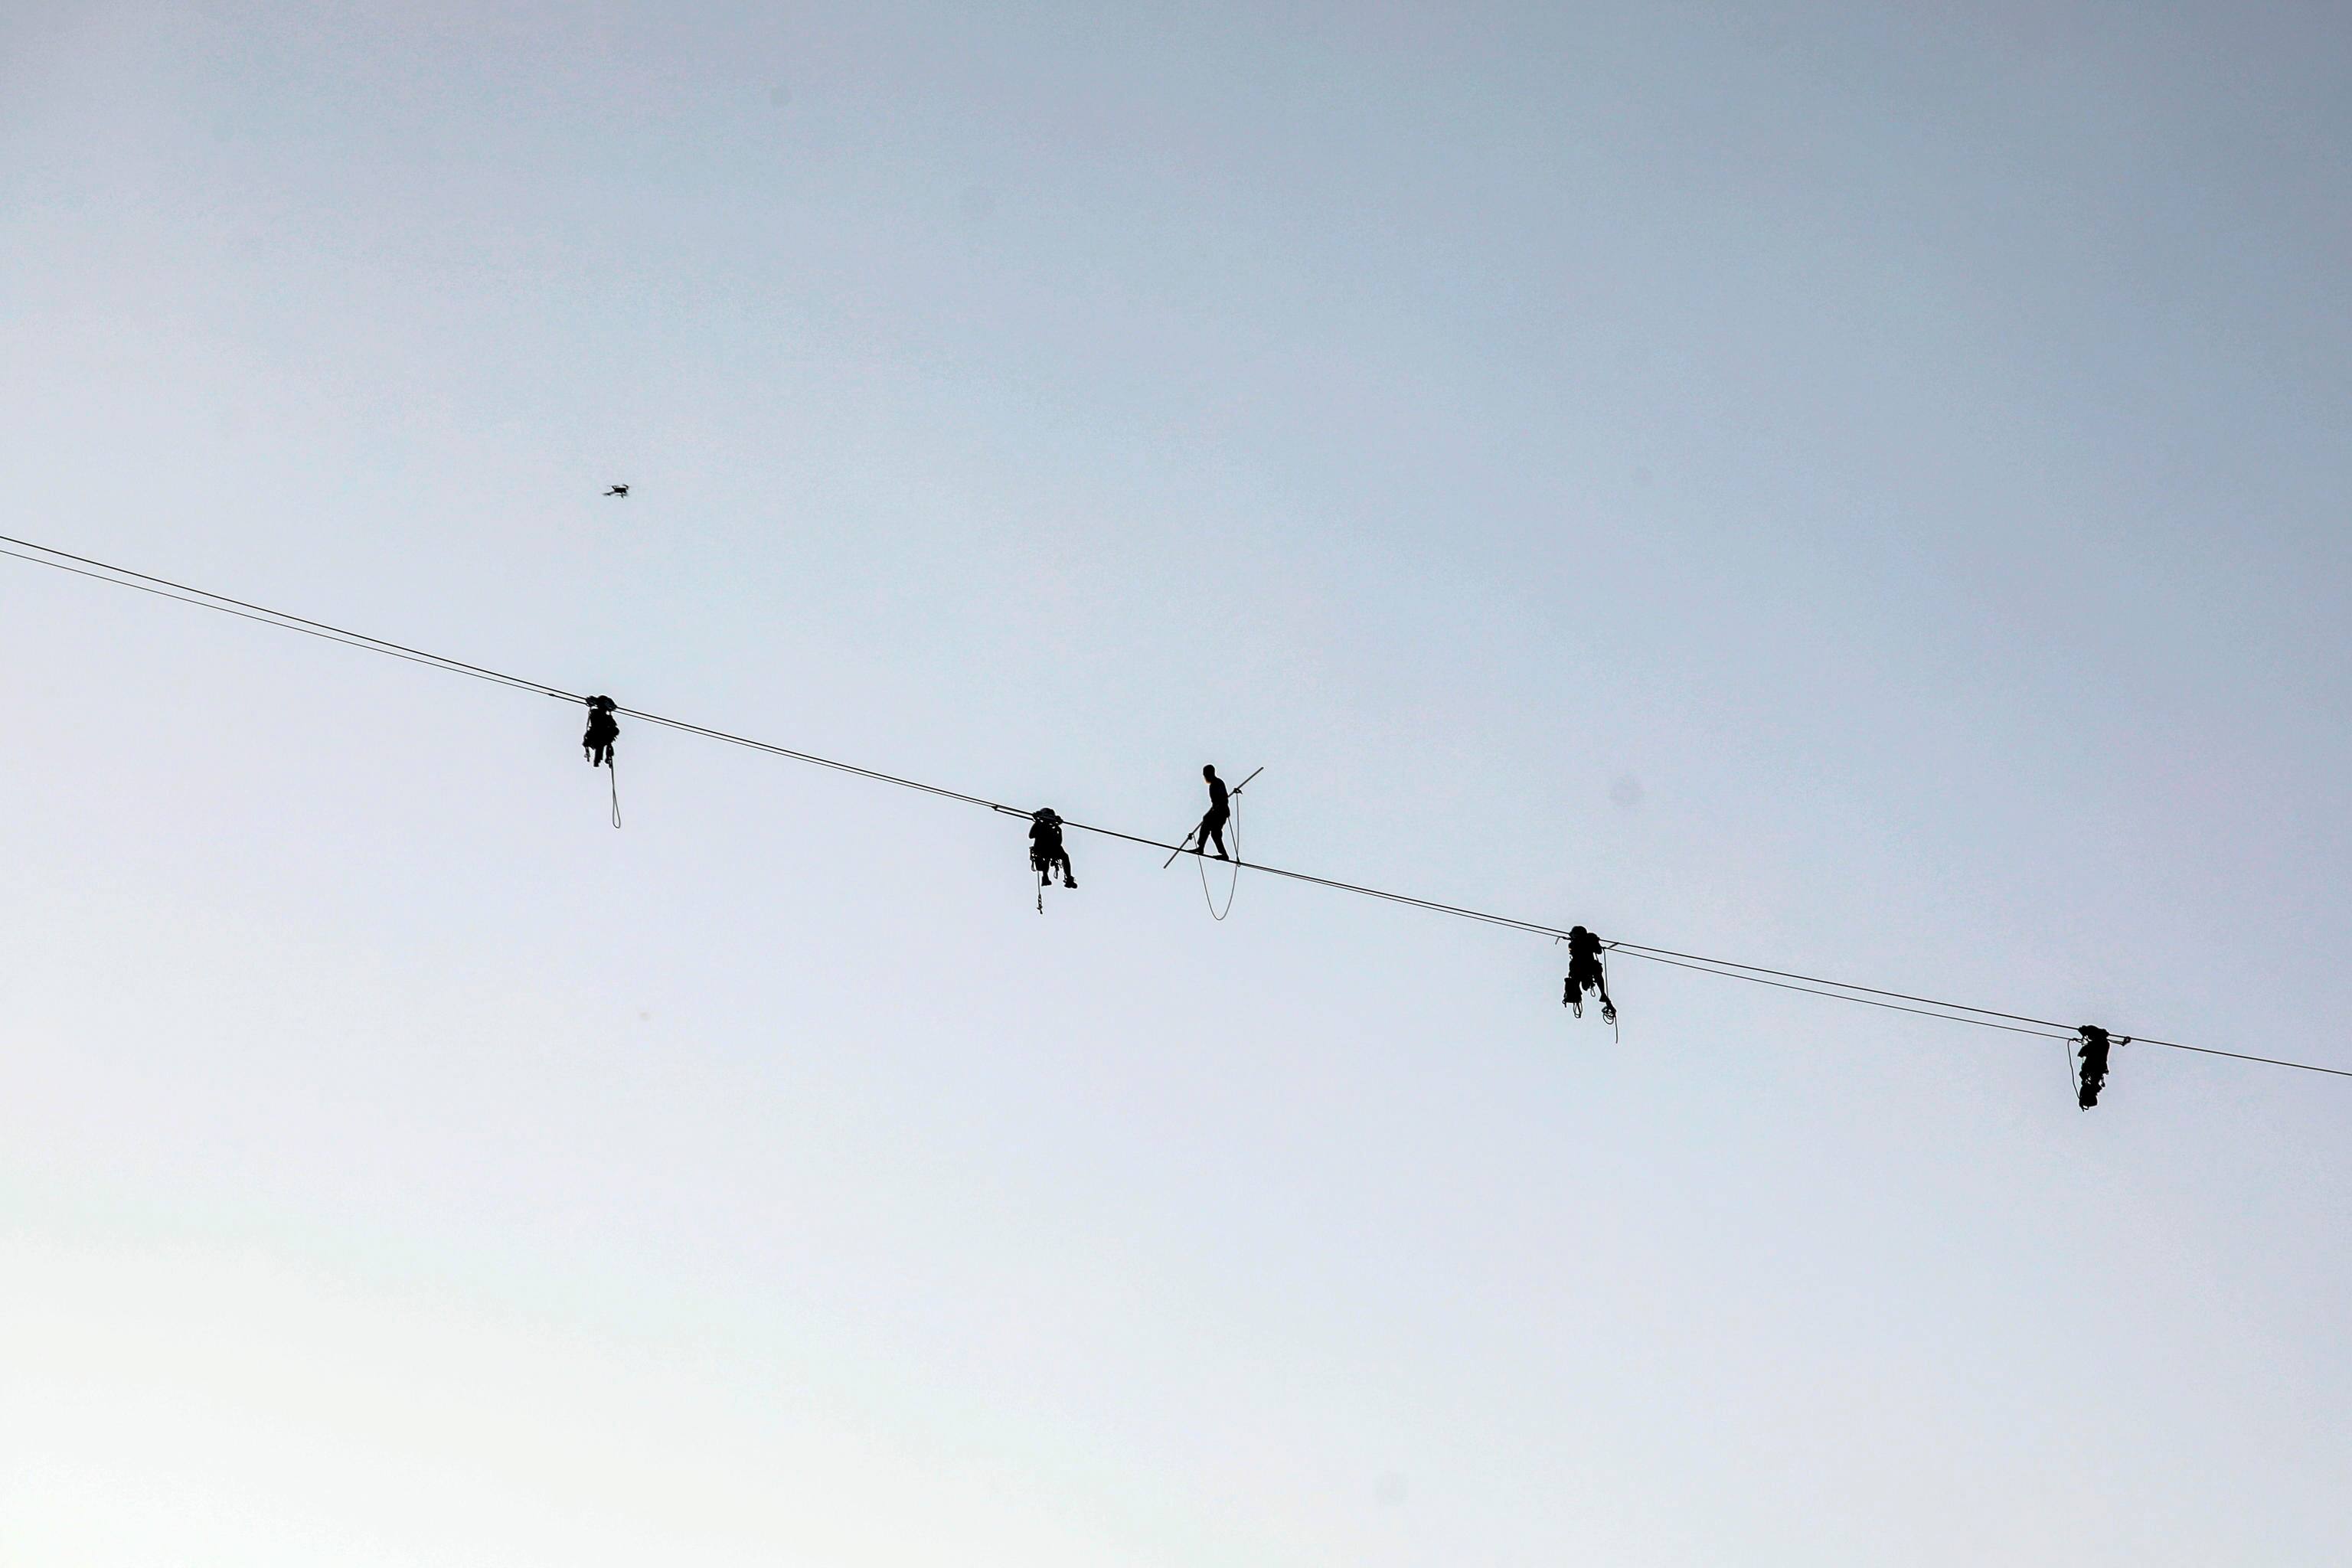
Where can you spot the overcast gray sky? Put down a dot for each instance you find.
(1858, 489)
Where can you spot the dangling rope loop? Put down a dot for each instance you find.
(1232, 826)
(613, 769)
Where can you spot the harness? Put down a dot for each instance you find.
(2093, 1043)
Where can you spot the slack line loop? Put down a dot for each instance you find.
(1757, 974)
(1233, 875)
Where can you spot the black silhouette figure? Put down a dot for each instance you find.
(602, 731)
(1585, 973)
(1047, 854)
(619, 490)
(2094, 1052)
(1212, 826)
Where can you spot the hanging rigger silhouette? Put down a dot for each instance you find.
(597, 741)
(601, 731)
(2093, 1053)
(1586, 972)
(1216, 836)
(1047, 853)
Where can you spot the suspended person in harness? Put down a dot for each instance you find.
(2094, 1052)
(1585, 973)
(602, 731)
(1212, 826)
(1047, 853)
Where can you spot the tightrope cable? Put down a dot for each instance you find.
(1841, 997)
(1729, 969)
(308, 628)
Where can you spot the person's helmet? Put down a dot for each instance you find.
(1044, 814)
(1208, 770)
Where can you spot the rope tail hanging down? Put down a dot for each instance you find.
(613, 770)
(1234, 885)
(1616, 1037)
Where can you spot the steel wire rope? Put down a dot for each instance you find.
(2240, 1055)
(308, 628)
(1642, 951)
(1730, 969)
(291, 621)
(1864, 1001)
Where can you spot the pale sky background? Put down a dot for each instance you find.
(1854, 488)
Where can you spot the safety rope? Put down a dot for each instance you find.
(613, 769)
(1615, 1037)
(1201, 854)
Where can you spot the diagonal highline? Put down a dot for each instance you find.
(1730, 969)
